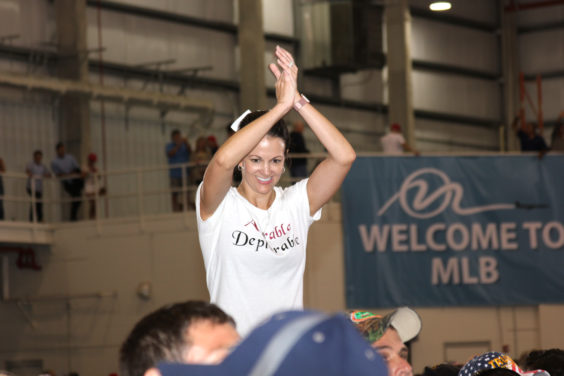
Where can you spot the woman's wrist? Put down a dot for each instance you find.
(285, 106)
(297, 97)
(300, 101)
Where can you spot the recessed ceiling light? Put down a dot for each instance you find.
(439, 6)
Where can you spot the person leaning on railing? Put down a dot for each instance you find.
(92, 184)
(66, 167)
(2, 169)
(36, 171)
(178, 151)
(557, 138)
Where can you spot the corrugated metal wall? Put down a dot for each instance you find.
(542, 52)
(133, 140)
(456, 94)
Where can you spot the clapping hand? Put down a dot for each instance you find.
(286, 74)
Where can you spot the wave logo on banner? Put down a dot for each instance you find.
(451, 192)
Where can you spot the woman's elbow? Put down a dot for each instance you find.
(348, 158)
(223, 161)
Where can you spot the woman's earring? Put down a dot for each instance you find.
(239, 168)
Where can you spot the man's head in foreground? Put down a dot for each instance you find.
(193, 332)
(388, 335)
(294, 343)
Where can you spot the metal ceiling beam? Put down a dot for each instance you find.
(156, 14)
(457, 119)
(116, 94)
(540, 27)
(421, 65)
(545, 75)
(170, 77)
(26, 53)
(453, 20)
(516, 6)
(174, 78)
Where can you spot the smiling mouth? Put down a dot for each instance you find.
(264, 180)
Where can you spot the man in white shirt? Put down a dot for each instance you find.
(394, 144)
(36, 171)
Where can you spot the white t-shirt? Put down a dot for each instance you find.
(90, 183)
(254, 258)
(37, 171)
(392, 143)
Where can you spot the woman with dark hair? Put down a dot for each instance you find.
(253, 237)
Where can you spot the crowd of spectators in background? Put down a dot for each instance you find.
(74, 181)
(77, 180)
(180, 152)
(176, 340)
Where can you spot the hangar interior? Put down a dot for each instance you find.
(115, 77)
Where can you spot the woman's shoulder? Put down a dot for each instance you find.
(297, 188)
(227, 203)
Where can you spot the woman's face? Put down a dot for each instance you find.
(263, 166)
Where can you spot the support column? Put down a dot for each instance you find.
(510, 70)
(74, 109)
(400, 85)
(251, 51)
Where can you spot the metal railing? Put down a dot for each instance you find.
(131, 193)
(128, 193)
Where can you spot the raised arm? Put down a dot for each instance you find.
(218, 175)
(328, 176)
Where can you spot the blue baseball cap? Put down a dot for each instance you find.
(294, 343)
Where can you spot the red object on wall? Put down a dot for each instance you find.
(26, 257)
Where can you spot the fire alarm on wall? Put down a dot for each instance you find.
(145, 290)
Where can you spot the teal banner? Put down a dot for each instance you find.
(454, 231)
